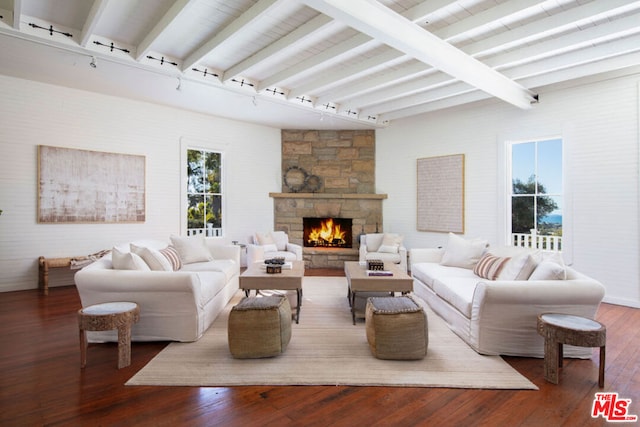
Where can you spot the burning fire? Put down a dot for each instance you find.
(328, 234)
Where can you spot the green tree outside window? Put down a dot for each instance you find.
(537, 188)
(204, 191)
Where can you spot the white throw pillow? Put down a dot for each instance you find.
(281, 239)
(549, 270)
(520, 267)
(373, 241)
(463, 253)
(390, 243)
(154, 259)
(191, 249)
(127, 261)
(264, 239)
(270, 248)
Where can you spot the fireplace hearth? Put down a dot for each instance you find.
(327, 232)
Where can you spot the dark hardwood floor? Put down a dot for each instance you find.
(42, 383)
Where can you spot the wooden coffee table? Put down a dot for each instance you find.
(359, 281)
(256, 278)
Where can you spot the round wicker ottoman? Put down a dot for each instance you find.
(259, 327)
(396, 328)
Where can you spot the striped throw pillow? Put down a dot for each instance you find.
(172, 255)
(489, 266)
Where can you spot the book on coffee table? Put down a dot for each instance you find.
(379, 273)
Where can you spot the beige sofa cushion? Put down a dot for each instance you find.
(127, 261)
(191, 249)
(281, 239)
(226, 266)
(373, 241)
(154, 259)
(390, 244)
(548, 270)
(520, 267)
(463, 253)
(457, 291)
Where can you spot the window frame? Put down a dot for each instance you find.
(508, 194)
(186, 145)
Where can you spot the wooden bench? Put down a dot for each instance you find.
(44, 264)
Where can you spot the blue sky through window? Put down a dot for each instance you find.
(549, 165)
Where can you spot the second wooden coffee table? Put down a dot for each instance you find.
(359, 281)
(257, 278)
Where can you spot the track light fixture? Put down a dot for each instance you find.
(93, 63)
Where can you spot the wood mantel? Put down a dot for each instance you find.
(328, 196)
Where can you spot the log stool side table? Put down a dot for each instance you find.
(106, 317)
(558, 329)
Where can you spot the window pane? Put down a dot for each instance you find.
(522, 214)
(536, 196)
(195, 211)
(550, 167)
(204, 192)
(213, 172)
(550, 215)
(195, 174)
(214, 211)
(522, 165)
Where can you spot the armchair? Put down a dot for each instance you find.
(270, 245)
(383, 246)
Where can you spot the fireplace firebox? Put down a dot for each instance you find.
(327, 232)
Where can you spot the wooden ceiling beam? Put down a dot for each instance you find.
(383, 24)
(242, 22)
(177, 8)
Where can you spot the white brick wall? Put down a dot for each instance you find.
(34, 113)
(599, 125)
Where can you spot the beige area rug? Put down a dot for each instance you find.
(327, 349)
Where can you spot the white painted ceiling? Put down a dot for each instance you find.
(319, 64)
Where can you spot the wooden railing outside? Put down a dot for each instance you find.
(208, 232)
(537, 241)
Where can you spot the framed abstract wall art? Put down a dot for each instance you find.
(441, 194)
(82, 186)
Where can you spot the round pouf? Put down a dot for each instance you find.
(259, 327)
(396, 328)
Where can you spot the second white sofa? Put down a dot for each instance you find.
(498, 316)
(175, 305)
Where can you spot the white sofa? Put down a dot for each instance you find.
(174, 305)
(499, 317)
(273, 244)
(387, 247)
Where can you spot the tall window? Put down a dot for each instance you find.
(537, 194)
(204, 192)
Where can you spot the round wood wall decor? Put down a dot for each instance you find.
(295, 178)
(314, 183)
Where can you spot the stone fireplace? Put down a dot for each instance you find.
(341, 167)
